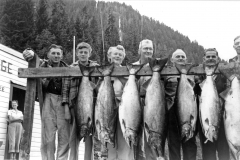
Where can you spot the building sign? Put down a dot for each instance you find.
(1, 88)
(6, 66)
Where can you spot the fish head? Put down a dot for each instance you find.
(131, 137)
(155, 141)
(212, 134)
(186, 132)
(84, 130)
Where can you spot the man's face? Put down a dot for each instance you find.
(116, 56)
(211, 58)
(55, 55)
(179, 58)
(236, 45)
(83, 54)
(147, 51)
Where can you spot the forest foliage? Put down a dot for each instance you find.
(39, 23)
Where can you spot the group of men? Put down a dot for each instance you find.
(60, 99)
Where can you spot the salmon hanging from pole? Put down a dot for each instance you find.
(210, 110)
(186, 103)
(85, 107)
(231, 114)
(130, 110)
(155, 111)
(106, 108)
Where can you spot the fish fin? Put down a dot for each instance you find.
(147, 130)
(207, 121)
(184, 69)
(92, 85)
(89, 122)
(98, 127)
(145, 84)
(236, 148)
(192, 120)
(157, 64)
(86, 71)
(124, 124)
(105, 70)
(225, 93)
(224, 114)
(191, 82)
(200, 117)
(206, 141)
(133, 69)
(201, 84)
(229, 73)
(123, 80)
(210, 69)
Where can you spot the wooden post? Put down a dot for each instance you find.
(25, 144)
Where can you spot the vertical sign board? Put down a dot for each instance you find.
(28, 112)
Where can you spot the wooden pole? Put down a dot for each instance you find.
(117, 71)
(102, 37)
(74, 49)
(25, 144)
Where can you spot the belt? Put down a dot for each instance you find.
(54, 92)
(17, 121)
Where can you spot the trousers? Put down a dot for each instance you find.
(53, 120)
(174, 140)
(209, 149)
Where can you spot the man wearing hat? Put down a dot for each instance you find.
(174, 138)
(70, 93)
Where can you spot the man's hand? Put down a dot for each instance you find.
(67, 113)
(28, 54)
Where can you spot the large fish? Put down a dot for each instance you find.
(130, 110)
(155, 111)
(186, 104)
(231, 115)
(105, 108)
(210, 110)
(85, 106)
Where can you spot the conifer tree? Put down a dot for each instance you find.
(17, 24)
(42, 20)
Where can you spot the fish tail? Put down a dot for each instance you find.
(210, 70)
(157, 64)
(231, 72)
(184, 69)
(86, 71)
(133, 69)
(106, 70)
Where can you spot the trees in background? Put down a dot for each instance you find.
(17, 24)
(57, 21)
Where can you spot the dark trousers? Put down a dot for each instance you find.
(174, 140)
(209, 149)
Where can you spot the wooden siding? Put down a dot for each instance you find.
(15, 58)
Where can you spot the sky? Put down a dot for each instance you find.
(213, 24)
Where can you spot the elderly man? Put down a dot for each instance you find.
(55, 117)
(174, 138)
(70, 92)
(236, 46)
(145, 51)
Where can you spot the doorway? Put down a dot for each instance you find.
(17, 92)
